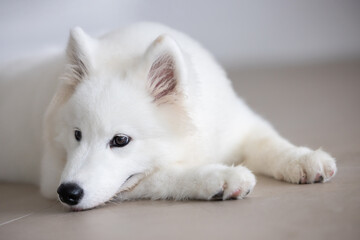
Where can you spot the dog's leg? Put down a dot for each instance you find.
(266, 152)
(52, 164)
(207, 182)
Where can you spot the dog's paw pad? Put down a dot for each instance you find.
(236, 194)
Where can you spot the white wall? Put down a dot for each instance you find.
(237, 32)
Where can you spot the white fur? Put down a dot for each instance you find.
(190, 132)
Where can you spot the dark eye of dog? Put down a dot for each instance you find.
(77, 134)
(120, 141)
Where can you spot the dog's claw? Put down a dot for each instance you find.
(303, 180)
(218, 196)
(319, 179)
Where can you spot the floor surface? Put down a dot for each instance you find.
(315, 106)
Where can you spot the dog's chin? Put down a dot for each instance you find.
(80, 207)
(84, 207)
(77, 209)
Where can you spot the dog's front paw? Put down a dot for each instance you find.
(311, 167)
(220, 182)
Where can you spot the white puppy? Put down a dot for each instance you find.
(144, 112)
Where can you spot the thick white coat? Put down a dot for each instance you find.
(189, 144)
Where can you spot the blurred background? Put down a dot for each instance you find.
(237, 32)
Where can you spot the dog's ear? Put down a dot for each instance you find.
(166, 71)
(78, 65)
(78, 52)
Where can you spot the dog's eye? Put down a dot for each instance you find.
(119, 141)
(77, 134)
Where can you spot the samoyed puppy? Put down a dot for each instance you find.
(143, 112)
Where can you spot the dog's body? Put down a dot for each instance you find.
(144, 112)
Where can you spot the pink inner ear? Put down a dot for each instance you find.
(162, 77)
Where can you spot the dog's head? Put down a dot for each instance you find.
(119, 115)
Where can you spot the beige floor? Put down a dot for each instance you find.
(312, 106)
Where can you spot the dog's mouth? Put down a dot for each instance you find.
(131, 182)
(130, 177)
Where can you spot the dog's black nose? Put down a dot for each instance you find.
(70, 193)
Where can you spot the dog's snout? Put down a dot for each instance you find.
(70, 193)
